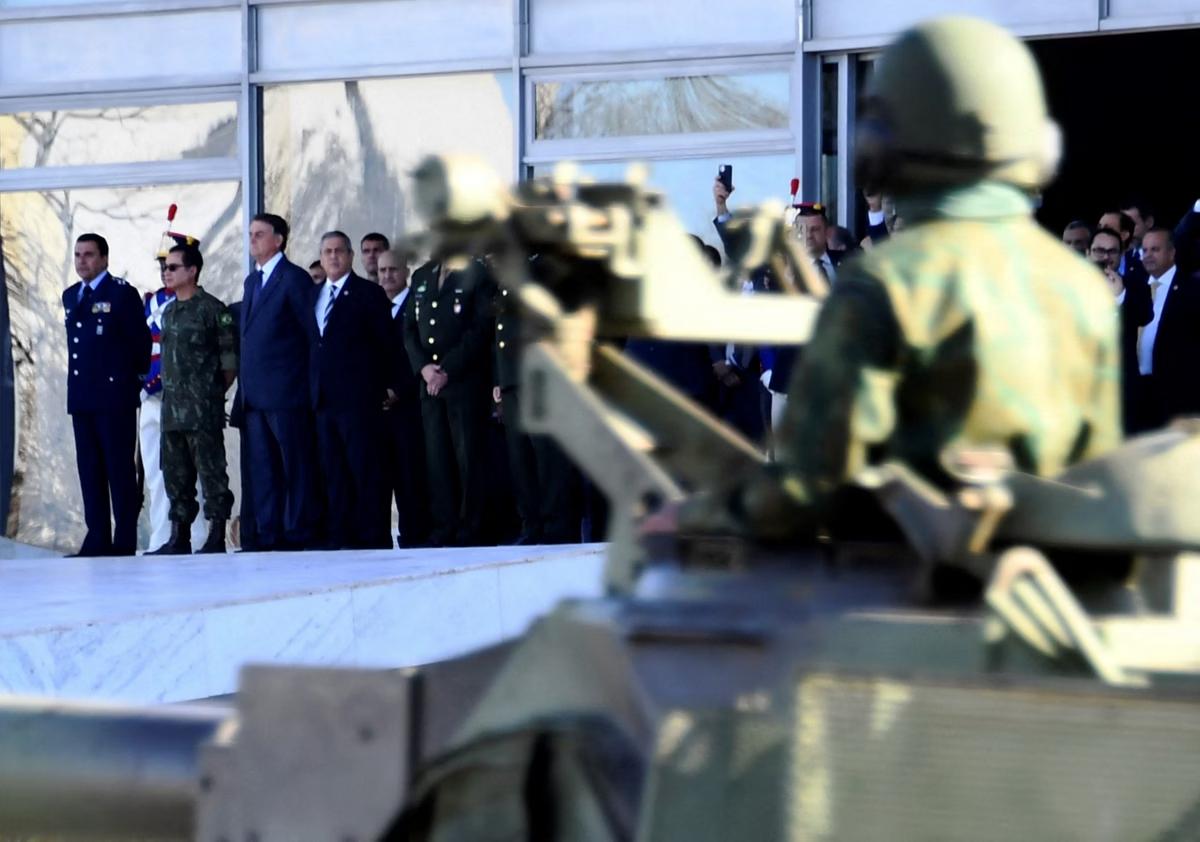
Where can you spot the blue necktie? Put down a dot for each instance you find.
(333, 293)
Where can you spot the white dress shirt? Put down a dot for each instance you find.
(93, 283)
(826, 262)
(398, 301)
(269, 267)
(1159, 287)
(329, 291)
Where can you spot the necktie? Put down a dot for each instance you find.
(333, 293)
(258, 275)
(819, 265)
(85, 294)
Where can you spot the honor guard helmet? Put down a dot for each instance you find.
(171, 239)
(956, 100)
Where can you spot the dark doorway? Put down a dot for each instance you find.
(1125, 104)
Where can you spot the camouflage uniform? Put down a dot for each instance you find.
(972, 327)
(198, 345)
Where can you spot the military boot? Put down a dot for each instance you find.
(180, 542)
(215, 542)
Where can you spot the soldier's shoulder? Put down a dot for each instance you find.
(208, 299)
(916, 249)
(1066, 266)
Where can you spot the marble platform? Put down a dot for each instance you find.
(173, 629)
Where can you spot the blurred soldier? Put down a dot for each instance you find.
(199, 363)
(108, 345)
(543, 478)
(349, 373)
(446, 333)
(972, 328)
(150, 418)
(373, 245)
(402, 416)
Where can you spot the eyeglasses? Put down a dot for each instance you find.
(1099, 252)
(172, 267)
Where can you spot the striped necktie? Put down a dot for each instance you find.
(333, 294)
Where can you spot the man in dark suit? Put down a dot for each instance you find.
(406, 479)
(108, 346)
(447, 332)
(349, 376)
(1168, 346)
(881, 216)
(277, 331)
(1135, 312)
(1130, 266)
(810, 227)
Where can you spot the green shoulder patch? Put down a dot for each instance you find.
(225, 319)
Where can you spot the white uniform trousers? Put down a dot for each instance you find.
(158, 507)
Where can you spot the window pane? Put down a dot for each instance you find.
(327, 36)
(339, 154)
(99, 49)
(829, 137)
(687, 184)
(855, 18)
(562, 26)
(38, 230)
(118, 135)
(677, 105)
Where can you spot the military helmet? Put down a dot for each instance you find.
(956, 100)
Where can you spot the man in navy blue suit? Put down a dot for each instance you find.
(108, 348)
(349, 376)
(277, 333)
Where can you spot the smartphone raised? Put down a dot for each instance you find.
(725, 176)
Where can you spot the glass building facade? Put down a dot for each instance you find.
(318, 109)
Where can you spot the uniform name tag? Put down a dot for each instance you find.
(99, 330)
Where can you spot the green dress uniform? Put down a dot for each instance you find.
(450, 325)
(544, 480)
(973, 327)
(198, 345)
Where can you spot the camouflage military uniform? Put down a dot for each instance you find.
(198, 346)
(973, 327)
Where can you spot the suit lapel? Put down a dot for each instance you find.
(72, 298)
(100, 293)
(268, 291)
(1174, 293)
(341, 303)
